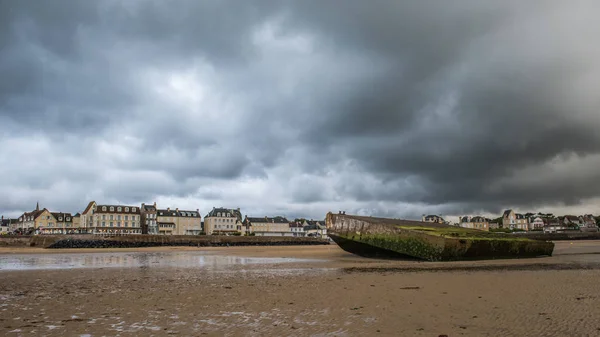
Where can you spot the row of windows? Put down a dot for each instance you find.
(51, 224)
(225, 227)
(119, 209)
(112, 224)
(118, 217)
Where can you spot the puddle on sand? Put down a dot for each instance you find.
(135, 260)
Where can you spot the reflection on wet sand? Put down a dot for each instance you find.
(133, 260)
(259, 291)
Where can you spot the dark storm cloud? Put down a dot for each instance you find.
(374, 107)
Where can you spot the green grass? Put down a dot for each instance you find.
(462, 233)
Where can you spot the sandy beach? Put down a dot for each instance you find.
(294, 291)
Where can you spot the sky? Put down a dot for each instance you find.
(298, 108)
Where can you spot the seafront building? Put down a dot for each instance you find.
(31, 222)
(512, 220)
(178, 222)
(433, 218)
(111, 219)
(268, 226)
(476, 222)
(315, 228)
(149, 219)
(224, 221)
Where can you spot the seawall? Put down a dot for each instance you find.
(134, 241)
(14, 241)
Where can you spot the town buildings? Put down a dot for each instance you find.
(588, 223)
(224, 221)
(512, 220)
(111, 219)
(178, 222)
(476, 222)
(8, 225)
(62, 224)
(31, 222)
(315, 228)
(537, 223)
(433, 218)
(268, 226)
(297, 228)
(149, 219)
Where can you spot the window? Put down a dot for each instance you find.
(119, 209)
(126, 223)
(133, 209)
(60, 218)
(68, 219)
(103, 224)
(126, 209)
(127, 217)
(111, 224)
(112, 209)
(119, 217)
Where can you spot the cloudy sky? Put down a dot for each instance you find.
(297, 108)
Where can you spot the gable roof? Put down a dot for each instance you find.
(506, 213)
(233, 212)
(89, 207)
(35, 214)
(64, 216)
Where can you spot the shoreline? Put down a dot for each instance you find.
(569, 256)
(341, 295)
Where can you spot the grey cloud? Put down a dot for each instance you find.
(390, 108)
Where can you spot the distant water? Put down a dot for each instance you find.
(134, 260)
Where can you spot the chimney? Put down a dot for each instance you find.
(344, 212)
(177, 210)
(168, 209)
(155, 204)
(198, 210)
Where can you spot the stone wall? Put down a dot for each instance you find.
(14, 241)
(132, 241)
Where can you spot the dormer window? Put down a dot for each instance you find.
(119, 209)
(112, 209)
(133, 209)
(104, 208)
(219, 214)
(68, 219)
(60, 218)
(126, 209)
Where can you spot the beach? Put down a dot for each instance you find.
(294, 291)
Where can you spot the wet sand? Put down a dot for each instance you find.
(299, 291)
